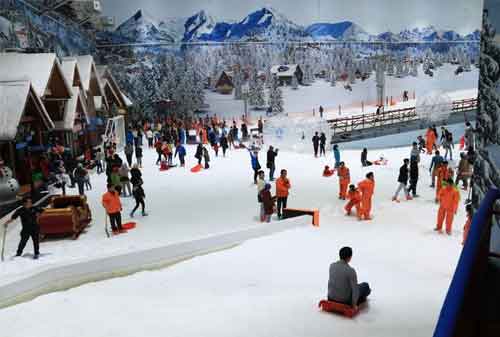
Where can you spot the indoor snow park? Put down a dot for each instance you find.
(249, 169)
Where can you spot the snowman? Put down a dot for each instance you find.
(8, 185)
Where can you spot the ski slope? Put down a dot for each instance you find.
(301, 102)
(264, 287)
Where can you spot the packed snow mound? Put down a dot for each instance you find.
(295, 134)
(434, 106)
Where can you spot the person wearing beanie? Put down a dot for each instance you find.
(268, 201)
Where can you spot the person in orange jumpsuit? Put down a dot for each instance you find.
(443, 174)
(430, 140)
(468, 222)
(449, 197)
(366, 187)
(344, 180)
(113, 206)
(354, 197)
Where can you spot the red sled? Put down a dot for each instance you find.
(129, 225)
(462, 142)
(164, 166)
(197, 168)
(338, 308)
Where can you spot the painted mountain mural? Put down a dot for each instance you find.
(265, 24)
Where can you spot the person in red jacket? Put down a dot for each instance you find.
(113, 206)
(282, 187)
(468, 222)
(268, 202)
(430, 140)
(448, 197)
(366, 187)
(344, 180)
(354, 197)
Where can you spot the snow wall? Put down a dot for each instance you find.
(467, 273)
(65, 276)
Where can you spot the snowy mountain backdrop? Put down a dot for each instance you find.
(265, 24)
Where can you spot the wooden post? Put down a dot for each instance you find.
(340, 110)
(362, 107)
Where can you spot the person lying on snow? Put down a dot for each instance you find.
(327, 172)
(343, 284)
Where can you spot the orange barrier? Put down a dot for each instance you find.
(196, 168)
(295, 212)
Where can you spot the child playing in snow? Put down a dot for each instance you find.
(268, 202)
(206, 156)
(468, 210)
(139, 196)
(86, 181)
(354, 197)
(327, 172)
(421, 144)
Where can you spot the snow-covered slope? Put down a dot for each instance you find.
(143, 28)
(345, 30)
(203, 27)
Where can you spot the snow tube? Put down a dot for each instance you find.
(129, 225)
(197, 168)
(381, 162)
(338, 308)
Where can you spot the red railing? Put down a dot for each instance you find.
(365, 121)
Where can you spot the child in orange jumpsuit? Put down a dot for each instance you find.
(448, 197)
(430, 140)
(354, 197)
(443, 174)
(344, 180)
(366, 187)
(327, 172)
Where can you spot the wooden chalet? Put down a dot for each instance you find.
(286, 72)
(25, 126)
(73, 128)
(224, 83)
(46, 76)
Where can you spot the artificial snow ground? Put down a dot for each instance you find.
(264, 287)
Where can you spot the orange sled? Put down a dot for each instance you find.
(197, 168)
(338, 308)
(129, 225)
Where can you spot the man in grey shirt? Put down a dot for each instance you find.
(343, 284)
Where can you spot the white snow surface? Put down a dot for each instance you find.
(264, 287)
(302, 101)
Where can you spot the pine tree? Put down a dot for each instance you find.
(256, 91)
(276, 97)
(238, 83)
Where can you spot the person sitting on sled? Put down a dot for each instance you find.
(343, 284)
(327, 172)
(381, 160)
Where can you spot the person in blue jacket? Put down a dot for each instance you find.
(182, 136)
(336, 155)
(254, 156)
(130, 137)
(181, 151)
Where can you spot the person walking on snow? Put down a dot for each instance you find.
(283, 186)
(261, 183)
(413, 178)
(150, 137)
(315, 141)
(113, 206)
(30, 227)
(254, 157)
(433, 169)
(464, 171)
(430, 140)
(199, 153)
(125, 180)
(443, 174)
(403, 181)
(181, 151)
(271, 165)
(336, 155)
(366, 187)
(135, 175)
(322, 143)
(415, 153)
(138, 155)
(158, 146)
(344, 180)
(99, 159)
(129, 151)
(354, 197)
(448, 197)
(139, 196)
(79, 175)
(267, 202)
(224, 144)
(206, 157)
